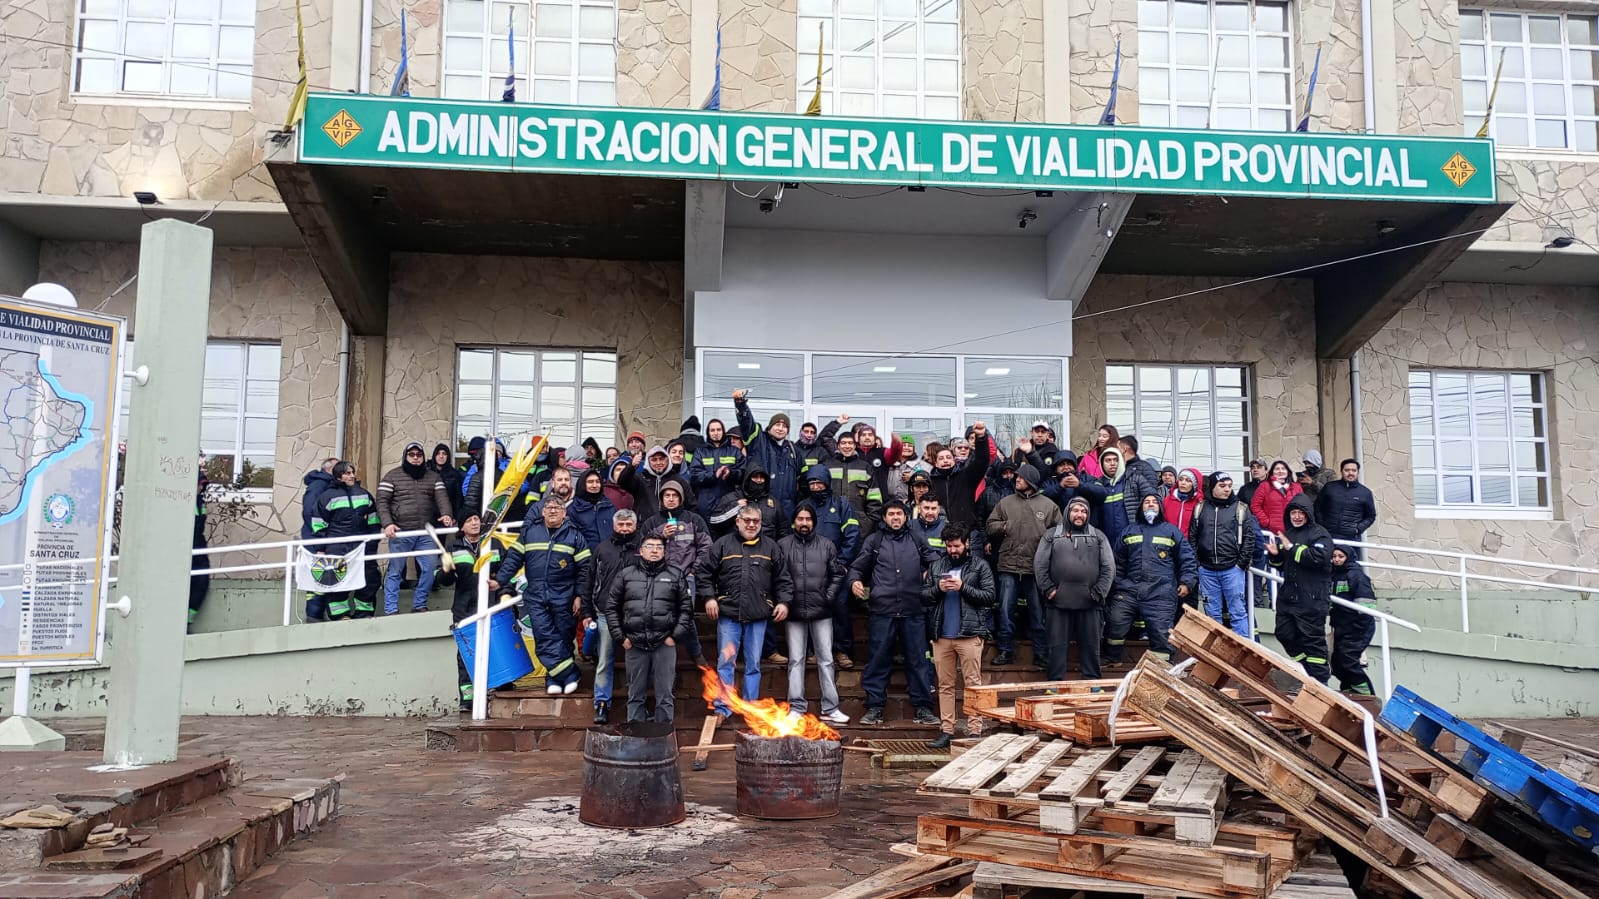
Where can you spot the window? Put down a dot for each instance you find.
(1479, 440)
(1215, 64)
(573, 57)
(518, 393)
(239, 413)
(1185, 416)
(897, 58)
(165, 48)
(1549, 87)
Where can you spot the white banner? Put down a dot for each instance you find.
(326, 573)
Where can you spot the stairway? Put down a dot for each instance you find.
(196, 827)
(526, 720)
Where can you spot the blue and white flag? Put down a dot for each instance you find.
(402, 75)
(1310, 95)
(714, 101)
(510, 77)
(1108, 117)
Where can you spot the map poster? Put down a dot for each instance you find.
(60, 370)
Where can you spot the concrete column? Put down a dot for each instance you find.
(1057, 63)
(19, 260)
(1384, 67)
(344, 58)
(703, 18)
(363, 411)
(146, 658)
(1334, 408)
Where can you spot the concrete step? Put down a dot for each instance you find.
(532, 734)
(202, 849)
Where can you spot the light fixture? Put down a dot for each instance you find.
(884, 369)
(146, 198)
(1024, 217)
(1386, 227)
(996, 372)
(917, 189)
(1041, 194)
(749, 366)
(791, 185)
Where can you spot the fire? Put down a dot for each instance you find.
(765, 717)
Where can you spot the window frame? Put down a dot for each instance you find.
(1173, 71)
(884, 27)
(491, 73)
(214, 64)
(579, 384)
(1437, 472)
(1138, 395)
(1486, 48)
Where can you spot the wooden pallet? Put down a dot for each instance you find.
(1397, 847)
(1237, 866)
(1579, 763)
(1560, 803)
(1150, 791)
(1317, 878)
(905, 754)
(1076, 709)
(1334, 721)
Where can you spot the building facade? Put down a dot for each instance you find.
(357, 308)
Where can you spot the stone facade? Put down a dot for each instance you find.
(1553, 330)
(51, 143)
(1002, 60)
(652, 53)
(424, 34)
(1556, 197)
(258, 294)
(760, 56)
(635, 308)
(1427, 57)
(1093, 27)
(1277, 340)
(1334, 28)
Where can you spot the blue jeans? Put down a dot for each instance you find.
(910, 631)
(1009, 587)
(730, 637)
(425, 566)
(1223, 594)
(605, 667)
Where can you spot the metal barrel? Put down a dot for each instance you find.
(630, 777)
(788, 778)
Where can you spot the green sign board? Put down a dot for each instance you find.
(352, 129)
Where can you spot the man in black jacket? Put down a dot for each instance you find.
(1352, 630)
(650, 610)
(816, 572)
(1074, 567)
(888, 574)
(1140, 478)
(1345, 507)
(746, 585)
(1303, 550)
(958, 592)
(610, 557)
(1223, 534)
(955, 485)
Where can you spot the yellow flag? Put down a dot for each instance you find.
(815, 107)
(297, 102)
(1488, 117)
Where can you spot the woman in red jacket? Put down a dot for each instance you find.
(1271, 498)
(1089, 460)
(1183, 501)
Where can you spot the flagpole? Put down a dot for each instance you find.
(487, 468)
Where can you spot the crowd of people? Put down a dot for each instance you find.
(783, 543)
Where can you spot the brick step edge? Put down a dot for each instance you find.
(538, 736)
(207, 848)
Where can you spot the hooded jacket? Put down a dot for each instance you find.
(1043, 456)
(530, 490)
(619, 483)
(816, 573)
(778, 457)
(891, 565)
(707, 461)
(1307, 564)
(1019, 523)
(610, 558)
(836, 519)
(1351, 584)
(1109, 492)
(592, 514)
(977, 594)
(747, 578)
(1141, 478)
(1346, 510)
(1060, 493)
(692, 539)
(454, 478)
(956, 489)
(1269, 503)
(316, 481)
(344, 512)
(996, 486)
(690, 436)
(1152, 560)
(646, 488)
(649, 602)
(1224, 532)
(412, 498)
(1076, 564)
(853, 478)
(558, 566)
(1180, 511)
(773, 524)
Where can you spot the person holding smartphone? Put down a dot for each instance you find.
(1303, 552)
(958, 592)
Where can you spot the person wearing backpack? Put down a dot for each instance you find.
(1223, 533)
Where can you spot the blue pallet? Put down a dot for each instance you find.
(1549, 796)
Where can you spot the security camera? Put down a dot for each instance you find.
(767, 204)
(1026, 215)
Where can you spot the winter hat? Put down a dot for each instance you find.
(413, 445)
(673, 485)
(908, 439)
(692, 423)
(1078, 501)
(780, 417)
(636, 435)
(476, 444)
(1029, 474)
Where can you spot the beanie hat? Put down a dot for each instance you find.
(1029, 474)
(476, 444)
(1078, 501)
(908, 439)
(636, 435)
(692, 423)
(780, 417)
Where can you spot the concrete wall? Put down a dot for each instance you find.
(438, 303)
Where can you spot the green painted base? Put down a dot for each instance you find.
(21, 734)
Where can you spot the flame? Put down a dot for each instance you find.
(765, 717)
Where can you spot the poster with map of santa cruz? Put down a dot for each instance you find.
(59, 374)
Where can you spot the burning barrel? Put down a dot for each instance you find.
(630, 777)
(788, 778)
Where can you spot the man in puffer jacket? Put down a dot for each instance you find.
(958, 593)
(1075, 566)
(1018, 523)
(1303, 552)
(1223, 535)
(745, 584)
(410, 497)
(1155, 572)
(888, 574)
(1352, 631)
(817, 575)
(650, 609)
(1345, 507)
(688, 542)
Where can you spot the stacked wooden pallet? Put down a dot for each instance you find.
(1440, 833)
(1076, 709)
(1150, 815)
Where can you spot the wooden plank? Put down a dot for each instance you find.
(910, 886)
(1082, 773)
(1205, 791)
(1510, 857)
(976, 768)
(1177, 780)
(1022, 776)
(891, 877)
(1131, 773)
(707, 734)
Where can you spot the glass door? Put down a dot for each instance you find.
(924, 425)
